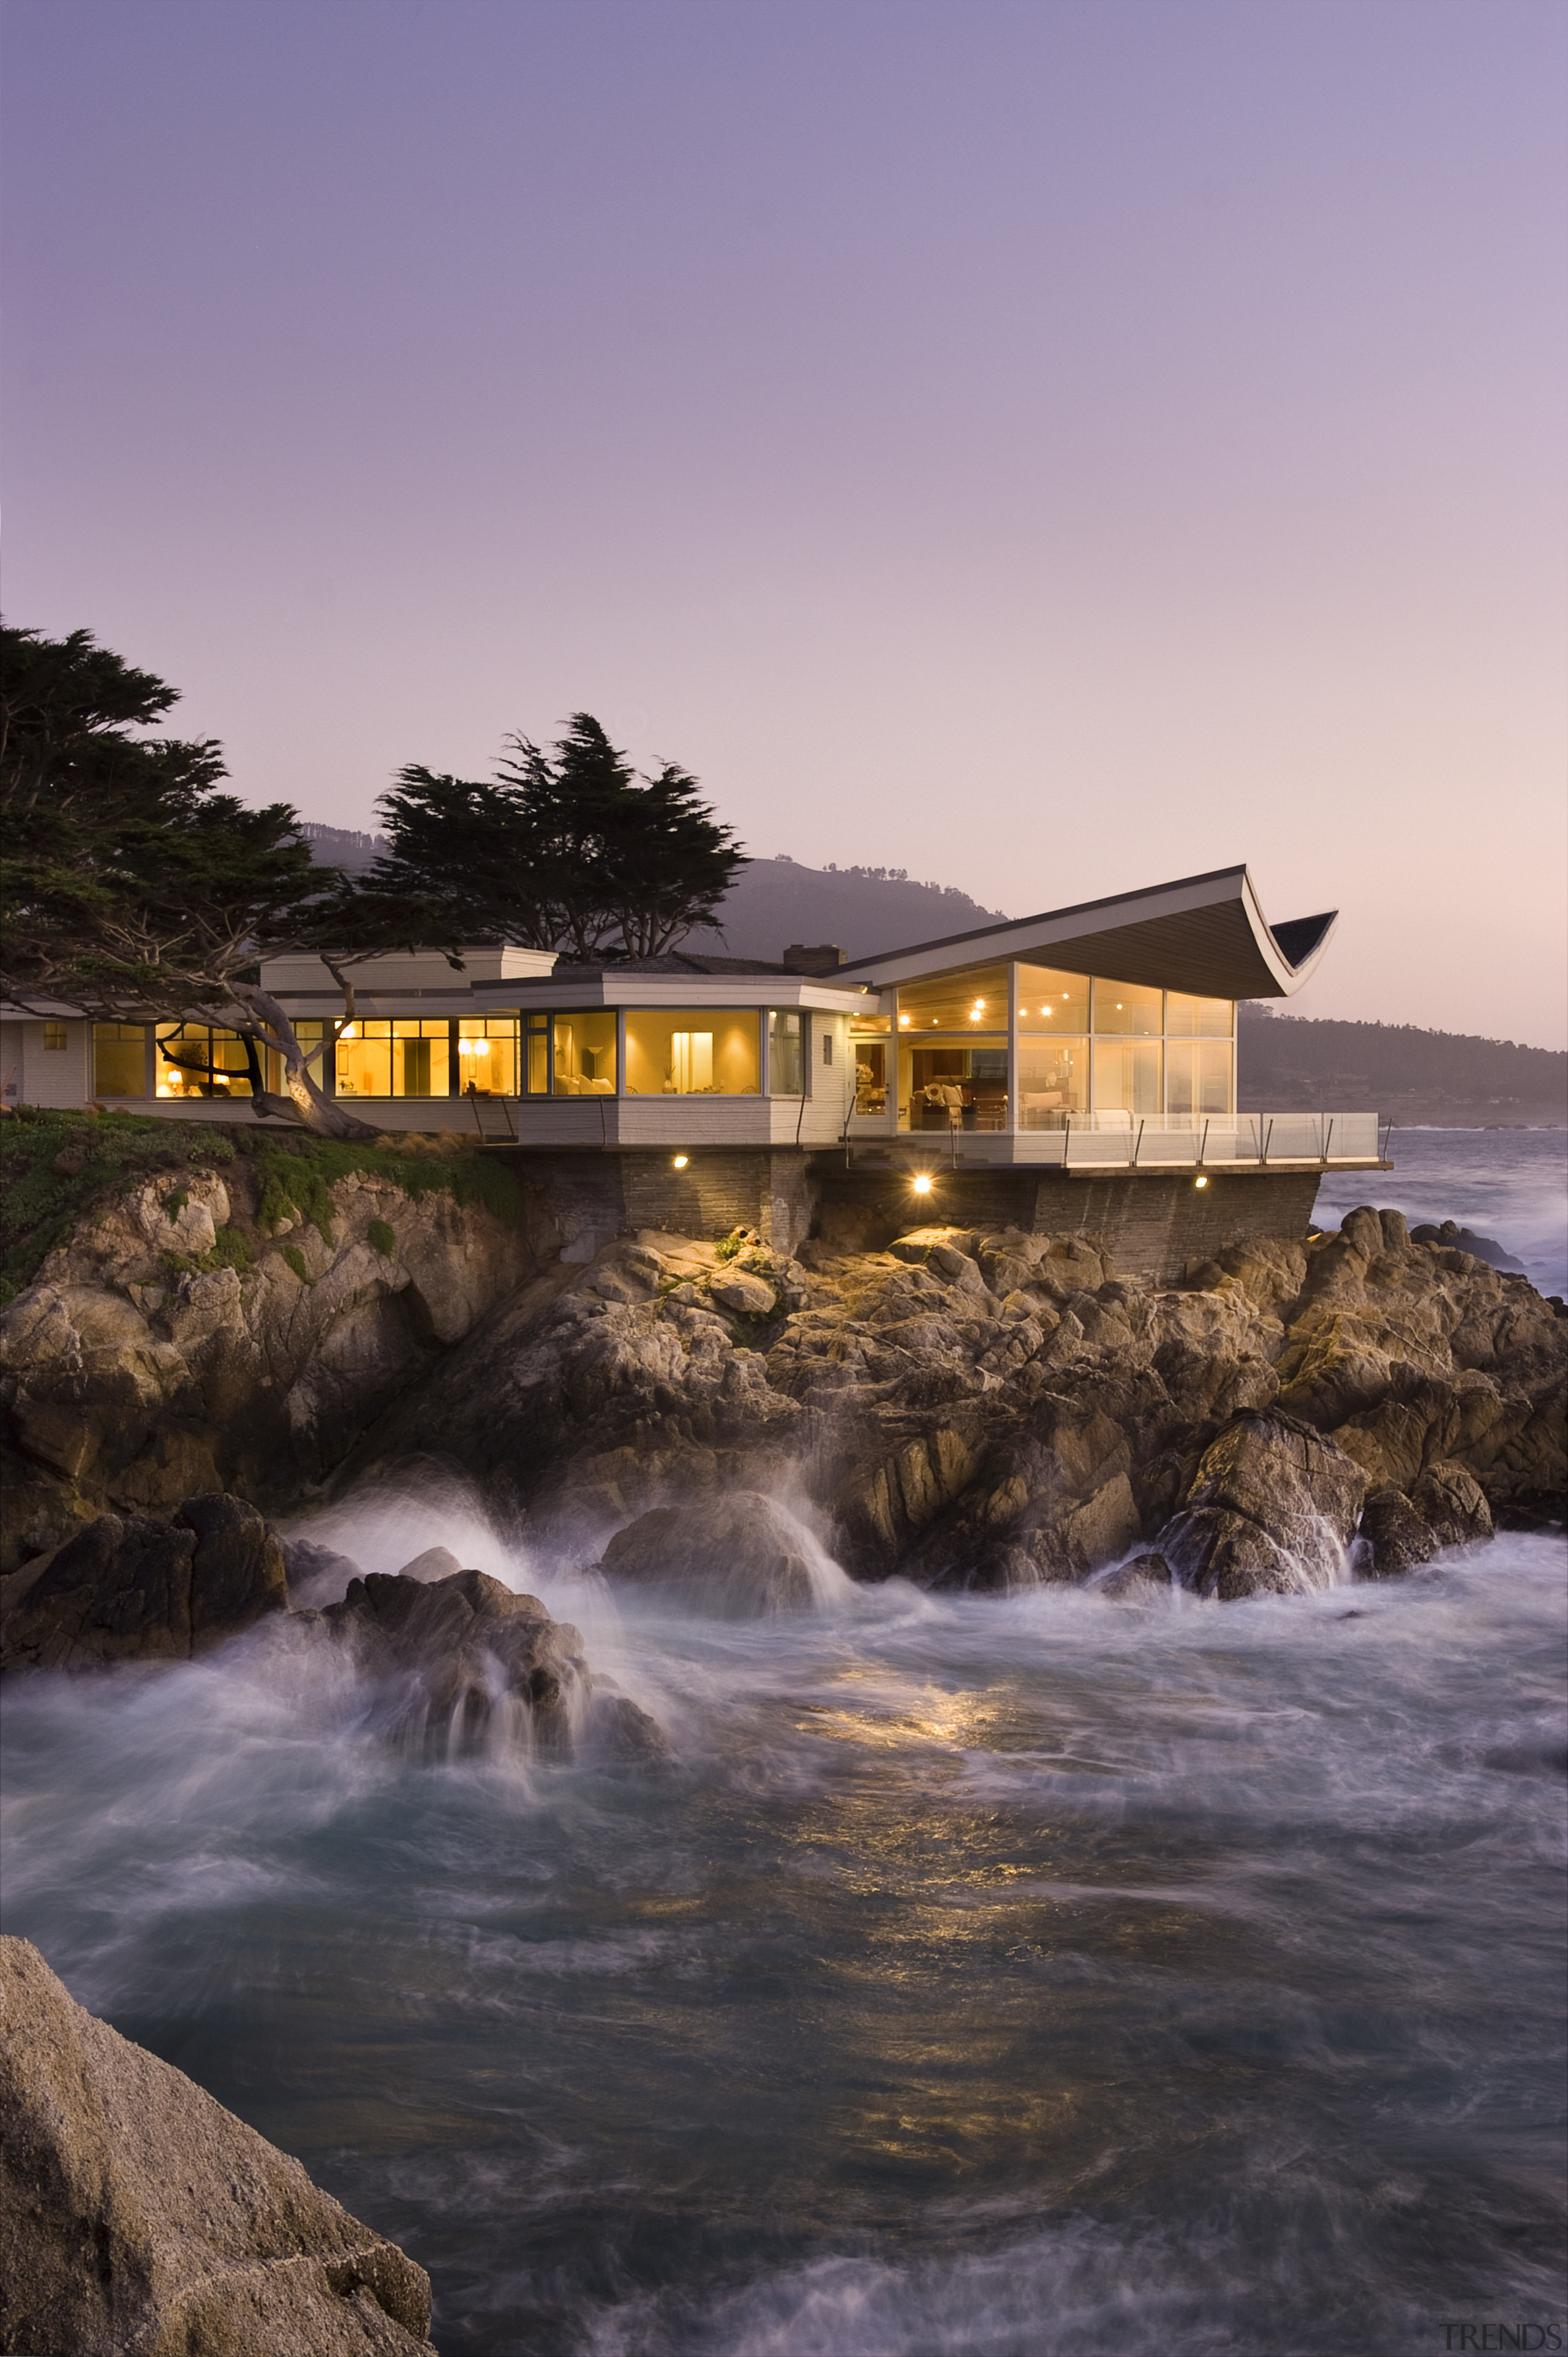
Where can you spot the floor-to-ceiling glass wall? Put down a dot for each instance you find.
(1053, 1047)
(953, 1051)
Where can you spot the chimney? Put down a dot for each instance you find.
(824, 959)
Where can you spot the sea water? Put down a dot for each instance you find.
(986, 1977)
(1510, 1184)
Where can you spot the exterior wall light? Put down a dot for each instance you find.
(681, 1161)
(921, 1182)
(1200, 1181)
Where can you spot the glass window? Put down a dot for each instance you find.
(786, 1060)
(310, 1036)
(1127, 1075)
(537, 1035)
(119, 1059)
(488, 1055)
(198, 1060)
(55, 1036)
(1049, 1001)
(1198, 1076)
(365, 1059)
(973, 1000)
(586, 1054)
(870, 1045)
(1053, 1081)
(1197, 1018)
(1126, 1007)
(708, 1053)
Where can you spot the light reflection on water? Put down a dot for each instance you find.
(1046, 1973)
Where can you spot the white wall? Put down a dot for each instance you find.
(31, 1073)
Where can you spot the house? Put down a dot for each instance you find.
(1020, 1071)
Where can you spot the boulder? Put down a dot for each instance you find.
(463, 1663)
(618, 1732)
(1392, 1538)
(739, 1556)
(318, 1574)
(436, 1563)
(1270, 1510)
(744, 1295)
(136, 2213)
(131, 1588)
(1136, 1581)
(1444, 1507)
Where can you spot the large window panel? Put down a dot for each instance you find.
(488, 1053)
(1198, 1018)
(1127, 1006)
(1051, 1001)
(586, 1054)
(975, 1000)
(365, 1059)
(786, 1053)
(1053, 1081)
(1198, 1076)
(199, 1060)
(119, 1059)
(1127, 1076)
(709, 1051)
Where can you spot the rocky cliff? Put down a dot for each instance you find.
(233, 1325)
(969, 1408)
(991, 1410)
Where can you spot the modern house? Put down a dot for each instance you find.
(1096, 1042)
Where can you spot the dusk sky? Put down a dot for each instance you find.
(1049, 448)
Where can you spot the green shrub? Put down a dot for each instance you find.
(175, 1204)
(383, 1236)
(232, 1250)
(296, 1260)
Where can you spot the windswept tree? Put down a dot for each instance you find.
(131, 888)
(571, 852)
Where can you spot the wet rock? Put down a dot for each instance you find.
(133, 1588)
(1453, 1505)
(1142, 1576)
(316, 1574)
(1452, 1237)
(136, 2213)
(463, 1663)
(618, 1732)
(1392, 1538)
(436, 1563)
(739, 1556)
(1271, 1510)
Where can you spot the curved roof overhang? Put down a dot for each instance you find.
(1204, 933)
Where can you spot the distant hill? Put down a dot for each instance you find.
(1286, 1060)
(343, 846)
(864, 910)
(777, 901)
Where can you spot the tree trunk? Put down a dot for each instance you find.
(306, 1103)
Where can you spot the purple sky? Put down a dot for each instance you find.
(1047, 447)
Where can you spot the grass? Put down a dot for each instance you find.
(383, 1236)
(58, 1170)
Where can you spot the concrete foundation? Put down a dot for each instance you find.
(1155, 1224)
(592, 1197)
